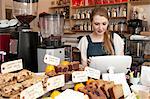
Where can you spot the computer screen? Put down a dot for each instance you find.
(119, 63)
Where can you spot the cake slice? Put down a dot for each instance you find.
(106, 87)
(116, 92)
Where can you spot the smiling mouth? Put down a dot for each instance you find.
(99, 31)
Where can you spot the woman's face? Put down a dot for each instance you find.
(100, 24)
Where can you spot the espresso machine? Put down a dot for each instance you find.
(136, 26)
(25, 11)
(51, 30)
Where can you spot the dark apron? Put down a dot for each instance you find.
(95, 48)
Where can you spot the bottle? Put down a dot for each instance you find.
(87, 14)
(124, 12)
(109, 12)
(78, 15)
(114, 12)
(111, 27)
(89, 26)
(85, 26)
(116, 27)
(82, 15)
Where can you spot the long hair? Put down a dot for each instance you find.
(107, 41)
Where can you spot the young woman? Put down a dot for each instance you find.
(100, 42)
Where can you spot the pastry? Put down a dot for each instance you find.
(29, 82)
(61, 68)
(11, 90)
(106, 87)
(68, 76)
(96, 94)
(24, 75)
(16, 96)
(7, 79)
(74, 65)
(116, 92)
(51, 73)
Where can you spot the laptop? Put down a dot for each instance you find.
(120, 64)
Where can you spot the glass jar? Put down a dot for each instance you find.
(122, 26)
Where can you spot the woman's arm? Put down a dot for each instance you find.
(82, 46)
(118, 44)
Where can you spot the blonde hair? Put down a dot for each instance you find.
(107, 41)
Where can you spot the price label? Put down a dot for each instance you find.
(32, 92)
(79, 76)
(93, 73)
(49, 59)
(11, 66)
(55, 82)
(70, 94)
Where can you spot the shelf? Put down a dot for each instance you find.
(140, 2)
(118, 18)
(66, 31)
(59, 6)
(109, 18)
(81, 19)
(67, 19)
(117, 3)
(80, 31)
(78, 7)
(119, 31)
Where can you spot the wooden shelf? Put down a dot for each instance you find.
(119, 31)
(59, 6)
(67, 19)
(68, 33)
(118, 18)
(81, 19)
(109, 18)
(79, 7)
(140, 2)
(80, 31)
(117, 3)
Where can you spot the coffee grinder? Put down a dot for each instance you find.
(52, 30)
(25, 11)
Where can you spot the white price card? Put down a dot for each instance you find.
(55, 82)
(70, 94)
(93, 73)
(32, 92)
(52, 60)
(11, 66)
(79, 76)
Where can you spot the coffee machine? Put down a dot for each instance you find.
(135, 26)
(25, 11)
(51, 30)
